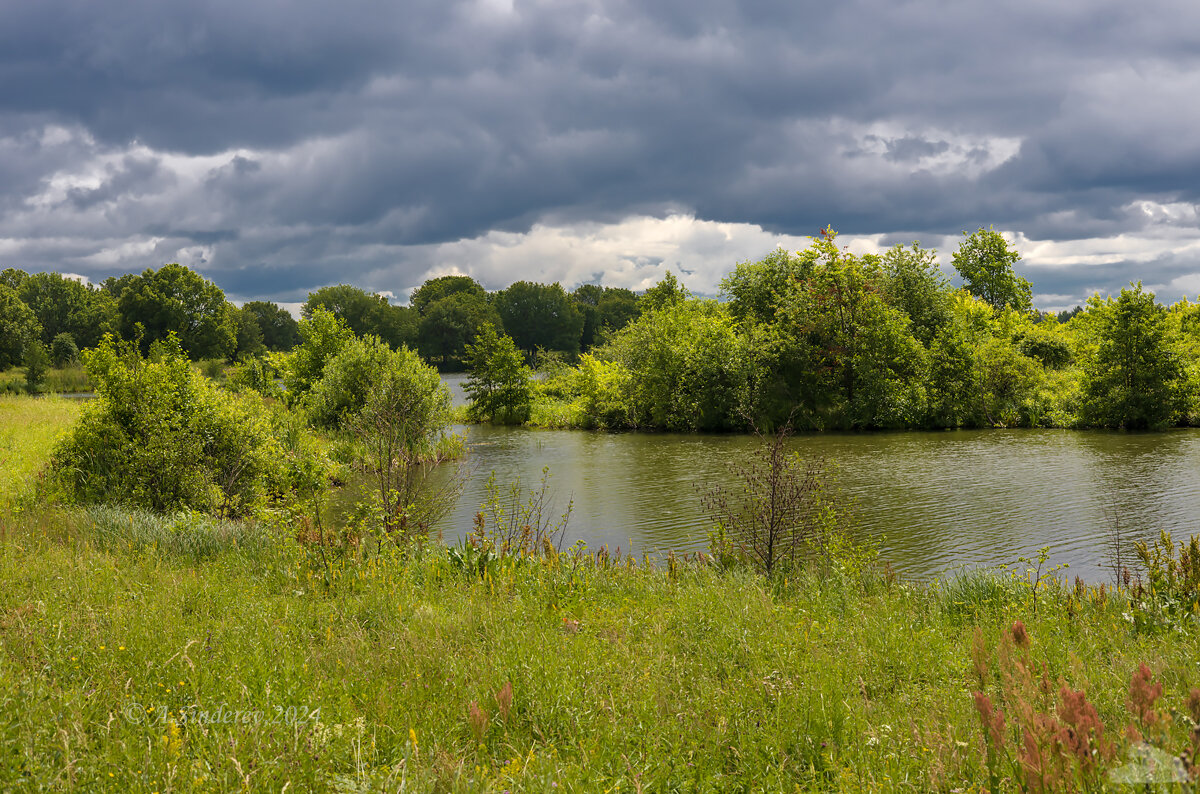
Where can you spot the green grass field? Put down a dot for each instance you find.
(177, 653)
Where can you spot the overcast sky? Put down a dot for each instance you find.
(279, 147)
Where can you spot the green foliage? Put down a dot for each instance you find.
(449, 324)
(64, 305)
(258, 375)
(37, 361)
(322, 337)
(665, 293)
(436, 289)
(604, 387)
(755, 289)
(248, 334)
(914, 284)
(400, 424)
(160, 437)
(1135, 378)
(175, 299)
(500, 386)
(365, 313)
(63, 350)
(540, 316)
(1047, 347)
(985, 262)
(688, 368)
(280, 331)
(18, 327)
(604, 310)
(348, 378)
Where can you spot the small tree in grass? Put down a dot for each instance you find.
(37, 361)
(501, 384)
(400, 426)
(63, 350)
(778, 514)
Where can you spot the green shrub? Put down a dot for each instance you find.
(255, 374)
(161, 437)
(63, 350)
(323, 336)
(37, 361)
(604, 387)
(347, 378)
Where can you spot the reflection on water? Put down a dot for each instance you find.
(932, 500)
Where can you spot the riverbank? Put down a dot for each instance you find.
(180, 653)
(126, 638)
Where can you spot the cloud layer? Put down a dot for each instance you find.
(280, 147)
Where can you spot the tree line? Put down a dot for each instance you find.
(47, 314)
(819, 338)
(823, 339)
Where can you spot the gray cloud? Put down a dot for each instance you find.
(282, 148)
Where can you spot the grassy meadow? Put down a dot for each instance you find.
(181, 653)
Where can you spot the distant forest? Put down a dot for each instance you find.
(819, 338)
(442, 318)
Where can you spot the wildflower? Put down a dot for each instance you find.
(504, 698)
(478, 719)
(1020, 636)
(993, 719)
(1142, 694)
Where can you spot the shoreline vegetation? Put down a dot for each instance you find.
(183, 610)
(174, 650)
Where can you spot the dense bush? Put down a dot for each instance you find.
(161, 437)
(63, 350)
(348, 378)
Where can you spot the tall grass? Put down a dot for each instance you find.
(29, 427)
(411, 671)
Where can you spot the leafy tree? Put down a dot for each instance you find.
(1006, 384)
(13, 278)
(403, 417)
(1135, 379)
(688, 369)
(37, 361)
(248, 334)
(843, 356)
(914, 284)
(618, 308)
(985, 262)
(1046, 346)
(322, 336)
(176, 299)
(365, 313)
(604, 310)
(279, 329)
(436, 289)
(667, 292)
(1065, 315)
(63, 350)
(450, 324)
(65, 306)
(604, 389)
(755, 289)
(540, 316)
(18, 327)
(501, 384)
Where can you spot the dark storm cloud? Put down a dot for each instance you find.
(285, 146)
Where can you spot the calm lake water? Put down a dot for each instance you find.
(933, 501)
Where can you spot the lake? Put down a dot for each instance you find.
(933, 501)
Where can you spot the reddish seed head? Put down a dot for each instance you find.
(1020, 636)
